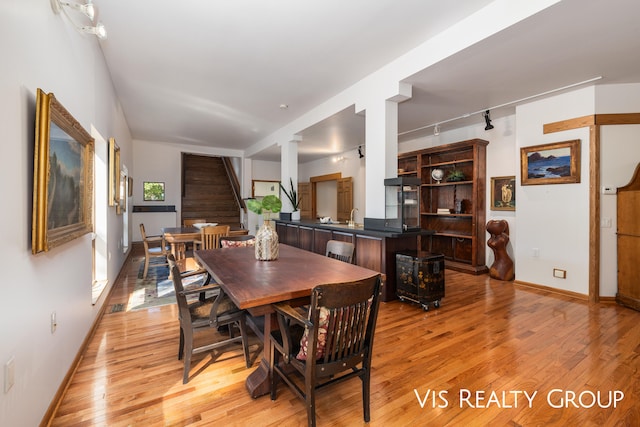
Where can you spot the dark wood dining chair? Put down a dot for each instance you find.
(333, 343)
(154, 247)
(205, 314)
(210, 237)
(342, 251)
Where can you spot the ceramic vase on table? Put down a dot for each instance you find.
(295, 216)
(266, 245)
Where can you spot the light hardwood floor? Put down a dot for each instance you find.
(487, 337)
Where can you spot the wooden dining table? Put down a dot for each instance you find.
(178, 237)
(255, 285)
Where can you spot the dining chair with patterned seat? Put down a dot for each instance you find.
(332, 343)
(154, 247)
(237, 241)
(208, 314)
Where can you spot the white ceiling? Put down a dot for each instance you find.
(214, 73)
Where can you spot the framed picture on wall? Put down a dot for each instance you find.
(557, 163)
(62, 176)
(503, 193)
(153, 191)
(114, 172)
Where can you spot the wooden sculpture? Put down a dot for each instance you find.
(502, 267)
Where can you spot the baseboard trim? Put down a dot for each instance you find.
(64, 386)
(571, 294)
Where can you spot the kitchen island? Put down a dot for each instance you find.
(375, 250)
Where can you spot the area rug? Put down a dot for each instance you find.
(157, 289)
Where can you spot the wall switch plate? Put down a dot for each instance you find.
(9, 374)
(605, 223)
(54, 322)
(560, 274)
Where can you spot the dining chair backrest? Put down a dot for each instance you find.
(337, 342)
(189, 222)
(339, 250)
(210, 236)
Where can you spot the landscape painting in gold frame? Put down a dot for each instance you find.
(62, 176)
(114, 172)
(557, 163)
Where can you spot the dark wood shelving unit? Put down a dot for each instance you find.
(459, 235)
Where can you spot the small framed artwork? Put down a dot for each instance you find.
(503, 193)
(114, 172)
(62, 176)
(557, 163)
(153, 191)
(130, 186)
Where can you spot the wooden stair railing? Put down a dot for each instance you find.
(235, 184)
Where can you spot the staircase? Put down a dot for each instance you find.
(207, 191)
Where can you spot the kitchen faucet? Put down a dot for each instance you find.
(351, 223)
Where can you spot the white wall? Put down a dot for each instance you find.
(350, 166)
(41, 50)
(554, 219)
(161, 162)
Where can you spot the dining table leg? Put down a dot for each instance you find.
(258, 383)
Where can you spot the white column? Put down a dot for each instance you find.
(289, 168)
(381, 142)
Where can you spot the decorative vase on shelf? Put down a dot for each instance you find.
(266, 245)
(295, 216)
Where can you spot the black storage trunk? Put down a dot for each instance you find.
(420, 278)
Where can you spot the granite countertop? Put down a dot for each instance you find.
(358, 229)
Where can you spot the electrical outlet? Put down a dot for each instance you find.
(9, 374)
(54, 322)
(560, 274)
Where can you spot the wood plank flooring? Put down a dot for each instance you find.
(467, 363)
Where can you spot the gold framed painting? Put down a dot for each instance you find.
(503, 193)
(557, 163)
(62, 176)
(114, 172)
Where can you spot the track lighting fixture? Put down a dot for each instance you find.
(87, 9)
(360, 153)
(487, 120)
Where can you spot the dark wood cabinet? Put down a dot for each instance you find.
(452, 204)
(375, 250)
(305, 238)
(345, 198)
(629, 243)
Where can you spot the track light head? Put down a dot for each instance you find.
(487, 120)
(87, 9)
(360, 153)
